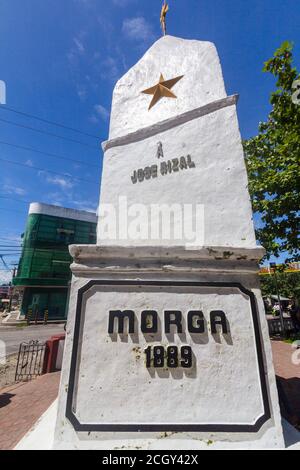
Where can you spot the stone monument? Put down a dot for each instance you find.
(167, 343)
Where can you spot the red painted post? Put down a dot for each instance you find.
(51, 353)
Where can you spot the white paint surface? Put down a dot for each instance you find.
(218, 183)
(60, 353)
(129, 373)
(41, 437)
(112, 384)
(199, 395)
(202, 83)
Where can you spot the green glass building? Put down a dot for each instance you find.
(44, 274)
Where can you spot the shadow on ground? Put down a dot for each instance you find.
(289, 399)
(5, 399)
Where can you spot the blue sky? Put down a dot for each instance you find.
(61, 59)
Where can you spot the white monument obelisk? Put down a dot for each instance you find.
(167, 343)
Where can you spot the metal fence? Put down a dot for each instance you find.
(30, 360)
(275, 327)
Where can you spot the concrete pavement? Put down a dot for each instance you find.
(22, 404)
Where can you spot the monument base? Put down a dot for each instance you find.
(41, 437)
(167, 348)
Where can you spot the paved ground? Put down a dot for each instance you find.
(288, 374)
(22, 404)
(13, 336)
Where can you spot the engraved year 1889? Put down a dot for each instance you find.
(125, 322)
(170, 357)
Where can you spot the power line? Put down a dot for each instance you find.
(11, 210)
(51, 134)
(30, 149)
(22, 201)
(14, 199)
(10, 246)
(47, 171)
(63, 126)
(10, 254)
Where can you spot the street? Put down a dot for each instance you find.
(12, 336)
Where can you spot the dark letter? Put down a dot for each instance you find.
(140, 175)
(195, 321)
(190, 162)
(160, 152)
(154, 171)
(163, 168)
(120, 316)
(134, 177)
(174, 321)
(175, 166)
(183, 165)
(147, 172)
(217, 317)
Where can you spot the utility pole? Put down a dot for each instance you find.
(12, 290)
(273, 266)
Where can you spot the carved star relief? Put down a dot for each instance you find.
(163, 88)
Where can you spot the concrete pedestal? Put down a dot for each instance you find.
(109, 398)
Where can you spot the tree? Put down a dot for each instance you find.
(273, 162)
(288, 284)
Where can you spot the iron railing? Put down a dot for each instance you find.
(275, 326)
(30, 360)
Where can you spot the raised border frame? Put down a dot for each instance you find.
(228, 428)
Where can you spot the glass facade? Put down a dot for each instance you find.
(44, 267)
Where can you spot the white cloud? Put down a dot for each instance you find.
(63, 183)
(110, 69)
(99, 111)
(94, 119)
(79, 45)
(29, 162)
(69, 200)
(137, 28)
(82, 92)
(20, 191)
(77, 50)
(85, 206)
(72, 57)
(11, 189)
(102, 111)
(60, 181)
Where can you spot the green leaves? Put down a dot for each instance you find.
(273, 162)
(288, 284)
